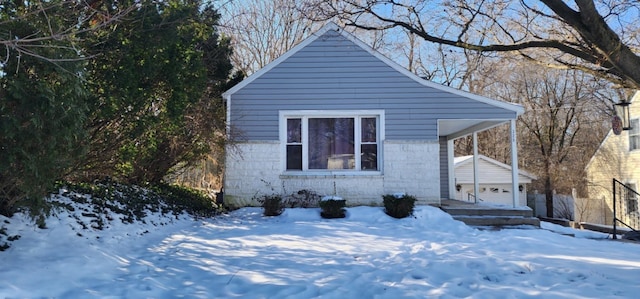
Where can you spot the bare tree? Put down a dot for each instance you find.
(561, 127)
(596, 37)
(263, 30)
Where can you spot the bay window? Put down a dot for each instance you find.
(332, 141)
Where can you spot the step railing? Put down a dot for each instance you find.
(470, 196)
(625, 207)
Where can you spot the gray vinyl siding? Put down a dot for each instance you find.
(333, 73)
(444, 168)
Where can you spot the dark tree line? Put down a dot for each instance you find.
(123, 89)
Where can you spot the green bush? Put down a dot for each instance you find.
(332, 207)
(133, 203)
(192, 201)
(398, 205)
(272, 205)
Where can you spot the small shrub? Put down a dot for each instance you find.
(272, 205)
(398, 205)
(302, 199)
(332, 207)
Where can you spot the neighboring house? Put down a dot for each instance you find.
(617, 157)
(494, 181)
(335, 117)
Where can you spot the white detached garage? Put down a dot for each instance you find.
(494, 181)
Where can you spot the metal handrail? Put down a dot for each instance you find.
(469, 195)
(628, 191)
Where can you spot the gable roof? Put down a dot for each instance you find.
(464, 160)
(518, 109)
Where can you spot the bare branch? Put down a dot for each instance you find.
(89, 21)
(579, 31)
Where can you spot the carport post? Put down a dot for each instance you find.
(514, 164)
(476, 183)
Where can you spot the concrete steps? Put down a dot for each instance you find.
(497, 221)
(481, 215)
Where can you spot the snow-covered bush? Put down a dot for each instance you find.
(332, 207)
(398, 205)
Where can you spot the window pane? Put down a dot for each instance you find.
(634, 142)
(634, 134)
(294, 130)
(369, 129)
(294, 157)
(635, 126)
(331, 143)
(369, 156)
(632, 199)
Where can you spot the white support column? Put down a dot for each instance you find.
(476, 182)
(452, 175)
(514, 165)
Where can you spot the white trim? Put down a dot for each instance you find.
(283, 115)
(227, 100)
(514, 164)
(452, 170)
(476, 180)
(480, 126)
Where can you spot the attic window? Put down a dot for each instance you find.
(332, 141)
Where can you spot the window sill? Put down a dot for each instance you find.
(329, 174)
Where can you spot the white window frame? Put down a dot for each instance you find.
(635, 128)
(306, 114)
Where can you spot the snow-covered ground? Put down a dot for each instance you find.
(300, 255)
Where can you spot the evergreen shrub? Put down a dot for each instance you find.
(398, 205)
(332, 207)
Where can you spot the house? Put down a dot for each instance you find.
(494, 181)
(336, 117)
(618, 157)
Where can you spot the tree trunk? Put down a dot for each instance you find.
(548, 191)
